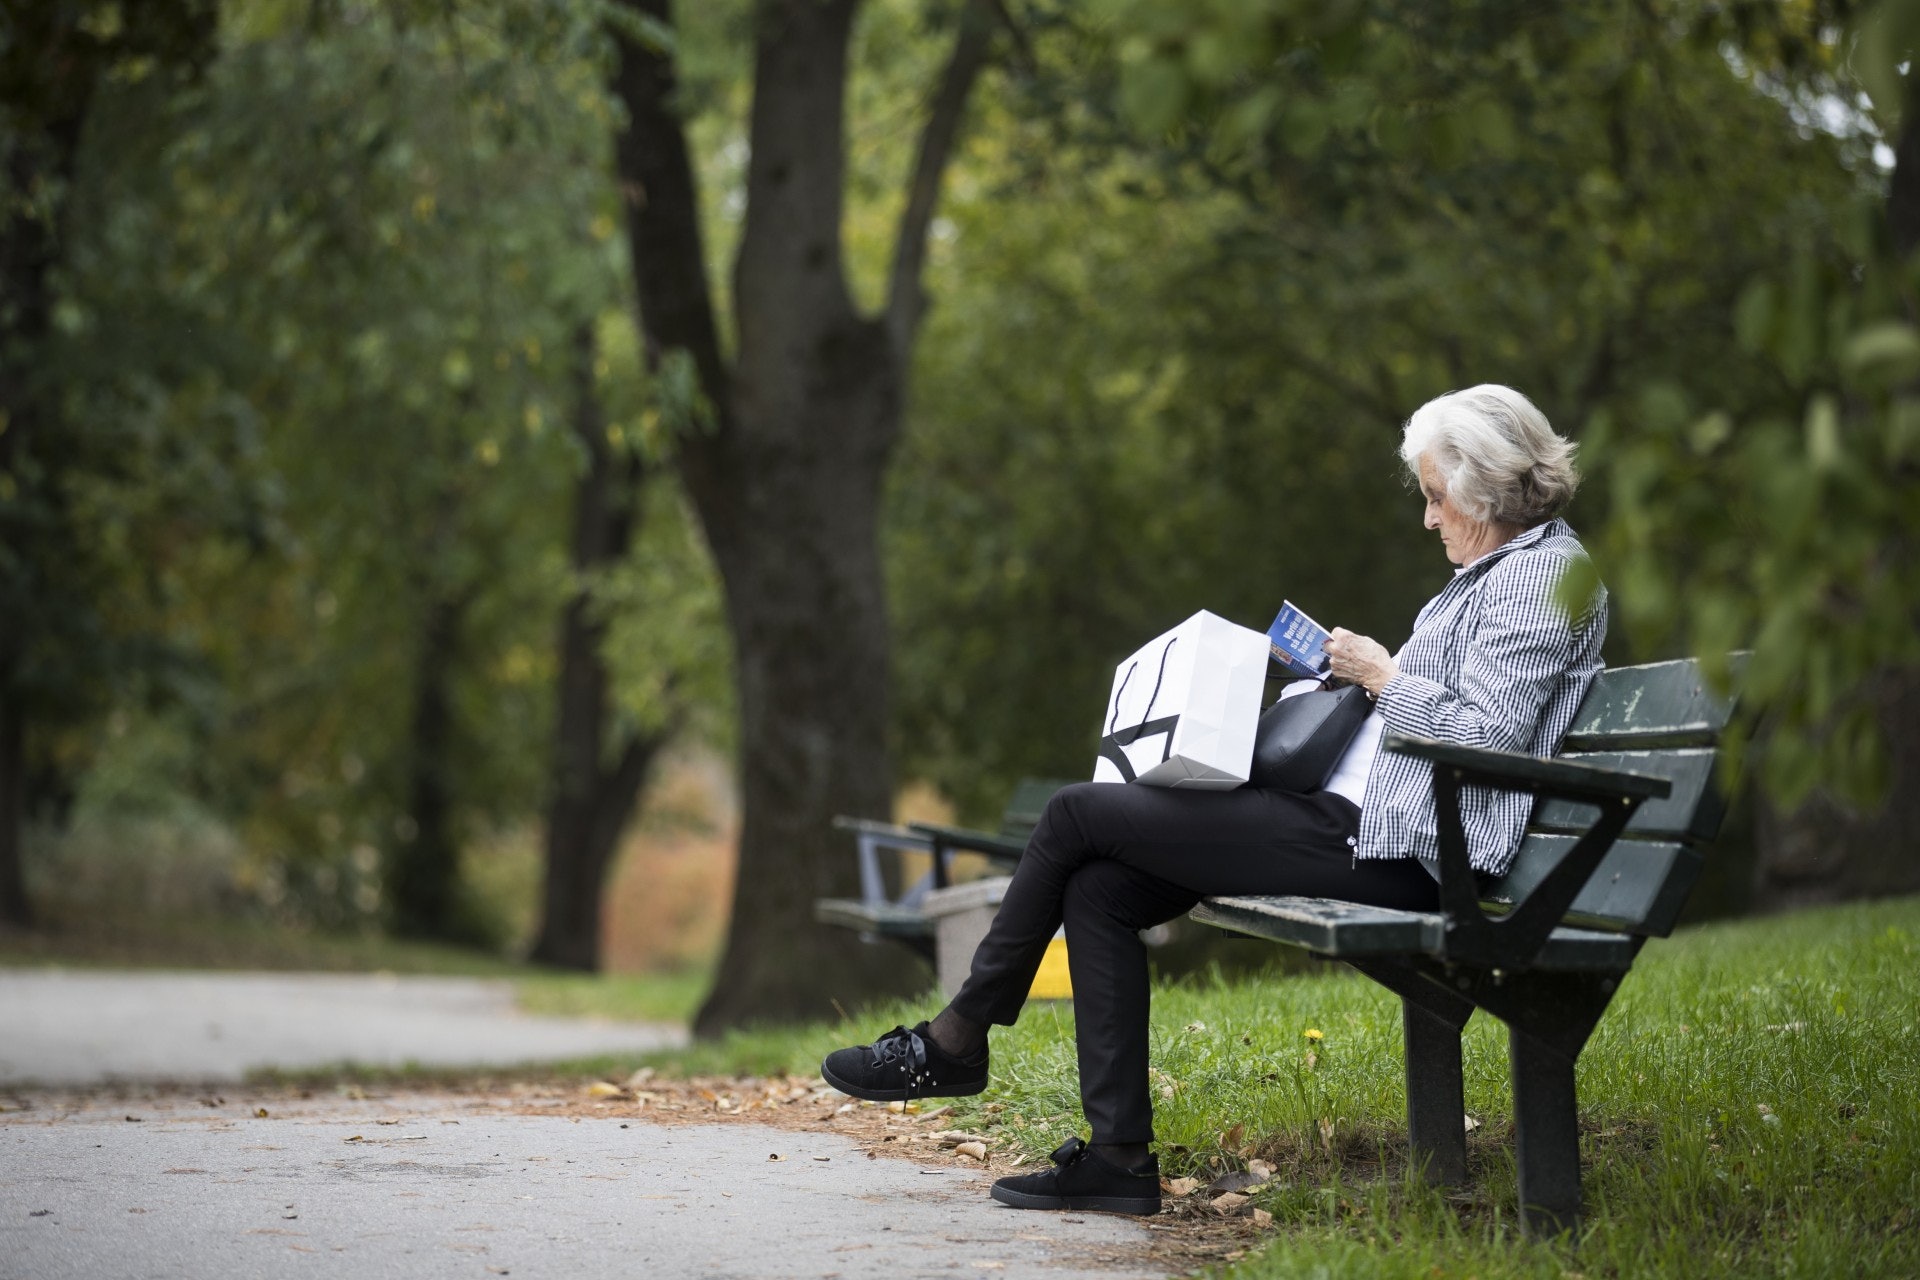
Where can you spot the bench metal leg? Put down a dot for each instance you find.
(1436, 1095)
(1431, 1017)
(1546, 1135)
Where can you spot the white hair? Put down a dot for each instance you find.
(1499, 460)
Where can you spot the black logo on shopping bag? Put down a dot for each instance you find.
(1111, 745)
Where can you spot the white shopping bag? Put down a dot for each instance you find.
(1183, 709)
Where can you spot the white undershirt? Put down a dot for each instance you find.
(1349, 776)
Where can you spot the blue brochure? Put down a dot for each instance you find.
(1298, 642)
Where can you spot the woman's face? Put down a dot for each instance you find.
(1465, 539)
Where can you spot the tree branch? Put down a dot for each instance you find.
(663, 208)
(905, 298)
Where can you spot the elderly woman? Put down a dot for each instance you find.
(1494, 660)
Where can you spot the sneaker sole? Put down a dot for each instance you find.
(1142, 1205)
(901, 1095)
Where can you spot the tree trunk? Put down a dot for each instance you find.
(15, 907)
(787, 479)
(591, 801)
(424, 873)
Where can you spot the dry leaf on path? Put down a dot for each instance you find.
(1261, 1218)
(1182, 1186)
(601, 1089)
(954, 1137)
(973, 1151)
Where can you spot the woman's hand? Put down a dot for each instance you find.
(1360, 660)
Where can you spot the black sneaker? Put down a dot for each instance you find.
(904, 1064)
(1083, 1179)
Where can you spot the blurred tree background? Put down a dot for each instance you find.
(405, 457)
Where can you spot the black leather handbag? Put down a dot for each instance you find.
(1300, 739)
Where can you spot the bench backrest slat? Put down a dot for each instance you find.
(1030, 796)
(1692, 813)
(1639, 886)
(1660, 718)
(1660, 704)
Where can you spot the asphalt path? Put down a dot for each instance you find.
(436, 1186)
(86, 1027)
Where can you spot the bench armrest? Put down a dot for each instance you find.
(1516, 939)
(949, 839)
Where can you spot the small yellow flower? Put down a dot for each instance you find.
(1314, 1033)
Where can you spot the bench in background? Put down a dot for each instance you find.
(889, 910)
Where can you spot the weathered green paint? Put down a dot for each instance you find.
(1661, 704)
(1638, 887)
(1691, 812)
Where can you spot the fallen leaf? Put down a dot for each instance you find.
(1230, 1203)
(898, 1108)
(973, 1151)
(1260, 1169)
(1261, 1218)
(1326, 1133)
(1183, 1186)
(1232, 1138)
(1235, 1180)
(954, 1137)
(936, 1113)
(1472, 1124)
(601, 1089)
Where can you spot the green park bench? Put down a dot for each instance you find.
(892, 912)
(1544, 947)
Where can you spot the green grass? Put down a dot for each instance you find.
(1750, 1105)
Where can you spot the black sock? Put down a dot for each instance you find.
(1128, 1157)
(958, 1036)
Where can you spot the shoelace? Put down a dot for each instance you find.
(907, 1048)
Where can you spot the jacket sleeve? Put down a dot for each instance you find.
(1522, 646)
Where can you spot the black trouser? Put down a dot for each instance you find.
(1111, 860)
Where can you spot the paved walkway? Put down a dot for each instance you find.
(433, 1187)
(78, 1027)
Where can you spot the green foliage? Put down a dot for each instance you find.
(1168, 365)
(358, 341)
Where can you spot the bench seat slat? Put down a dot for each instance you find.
(1322, 925)
(1692, 812)
(1347, 930)
(882, 918)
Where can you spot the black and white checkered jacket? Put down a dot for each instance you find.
(1494, 661)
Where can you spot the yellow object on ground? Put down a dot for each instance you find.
(1052, 982)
